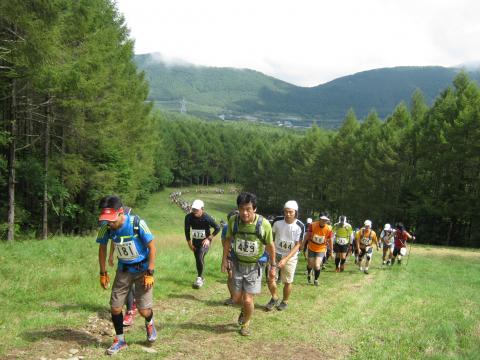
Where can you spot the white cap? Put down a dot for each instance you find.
(367, 223)
(387, 227)
(309, 220)
(323, 217)
(197, 204)
(291, 204)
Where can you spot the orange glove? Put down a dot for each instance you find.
(104, 280)
(148, 281)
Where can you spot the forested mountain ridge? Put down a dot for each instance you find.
(233, 93)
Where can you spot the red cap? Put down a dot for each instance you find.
(109, 214)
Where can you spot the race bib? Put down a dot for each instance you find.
(198, 234)
(365, 241)
(285, 246)
(342, 241)
(317, 239)
(246, 248)
(387, 241)
(126, 250)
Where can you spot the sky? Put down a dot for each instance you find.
(307, 42)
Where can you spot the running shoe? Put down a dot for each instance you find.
(151, 331)
(245, 330)
(240, 318)
(198, 283)
(282, 306)
(134, 307)
(117, 346)
(315, 282)
(342, 268)
(337, 269)
(271, 304)
(309, 279)
(128, 318)
(365, 271)
(228, 302)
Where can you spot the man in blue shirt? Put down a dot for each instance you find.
(136, 252)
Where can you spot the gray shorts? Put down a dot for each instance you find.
(247, 277)
(121, 286)
(314, 254)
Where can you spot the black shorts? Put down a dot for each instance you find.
(396, 251)
(365, 251)
(340, 248)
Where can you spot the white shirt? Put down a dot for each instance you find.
(287, 235)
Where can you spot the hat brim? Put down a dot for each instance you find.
(324, 218)
(109, 216)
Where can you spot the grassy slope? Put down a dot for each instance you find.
(51, 299)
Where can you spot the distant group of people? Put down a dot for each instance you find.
(251, 246)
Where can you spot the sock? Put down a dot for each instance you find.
(309, 270)
(121, 337)
(317, 274)
(149, 317)
(337, 262)
(118, 323)
(342, 261)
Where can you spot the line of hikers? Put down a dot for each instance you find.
(251, 246)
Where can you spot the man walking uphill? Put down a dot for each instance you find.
(288, 233)
(250, 234)
(199, 222)
(136, 262)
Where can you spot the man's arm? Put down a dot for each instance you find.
(102, 254)
(294, 250)
(226, 250)
(187, 232)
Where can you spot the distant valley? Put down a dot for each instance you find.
(231, 94)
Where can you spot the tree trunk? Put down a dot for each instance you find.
(11, 165)
(45, 170)
(61, 200)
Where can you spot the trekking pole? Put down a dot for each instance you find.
(410, 249)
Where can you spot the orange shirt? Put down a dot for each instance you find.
(366, 237)
(319, 237)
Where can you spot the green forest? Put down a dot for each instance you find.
(76, 125)
(210, 92)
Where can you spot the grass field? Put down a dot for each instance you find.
(52, 305)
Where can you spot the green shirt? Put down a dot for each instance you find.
(343, 233)
(247, 246)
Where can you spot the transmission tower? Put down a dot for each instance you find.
(183, 106)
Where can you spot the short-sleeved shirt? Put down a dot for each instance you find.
(200, 226)
(319, 237)
(366, 237)
(286, 236)
(129, 247)
(247, 246)
(401, 238)
(342, 233)
(387, 237)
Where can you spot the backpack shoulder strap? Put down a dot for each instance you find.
(235, 225)
(258, 227)
(136, 225)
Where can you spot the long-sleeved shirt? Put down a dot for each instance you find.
(200, 226)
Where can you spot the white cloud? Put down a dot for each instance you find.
(307, 42)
